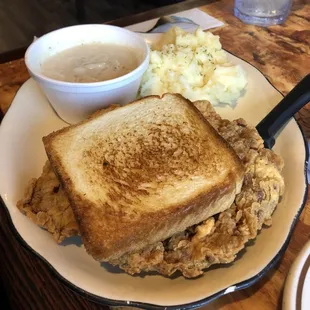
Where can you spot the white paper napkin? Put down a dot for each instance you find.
(204, 20)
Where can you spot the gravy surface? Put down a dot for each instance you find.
(90, 63)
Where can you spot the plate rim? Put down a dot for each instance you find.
(192, 305)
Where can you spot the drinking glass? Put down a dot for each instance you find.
(262, 12)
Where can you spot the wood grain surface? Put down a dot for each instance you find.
(282, 54)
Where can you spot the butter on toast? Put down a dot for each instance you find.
(143, 172)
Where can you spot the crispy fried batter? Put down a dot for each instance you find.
(47, 205)
(216, 240)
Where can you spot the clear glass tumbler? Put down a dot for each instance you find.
(262, 12)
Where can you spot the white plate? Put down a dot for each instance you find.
(296, 294)
(22, 157)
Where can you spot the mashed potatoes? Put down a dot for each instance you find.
(195, 66)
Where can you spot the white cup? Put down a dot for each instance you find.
(73, 102)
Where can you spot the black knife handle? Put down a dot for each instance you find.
(282, 112)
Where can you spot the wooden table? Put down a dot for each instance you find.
(282, 53)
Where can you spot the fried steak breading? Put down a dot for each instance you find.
(46, 203)
(216, 240)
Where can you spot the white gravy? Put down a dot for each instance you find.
(90, 63)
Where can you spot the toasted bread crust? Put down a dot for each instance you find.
(110, 229)
(153, 226)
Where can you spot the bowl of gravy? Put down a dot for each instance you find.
(84, 68)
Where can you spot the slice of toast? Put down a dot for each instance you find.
(143, 172)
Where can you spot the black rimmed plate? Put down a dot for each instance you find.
(22, 157)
